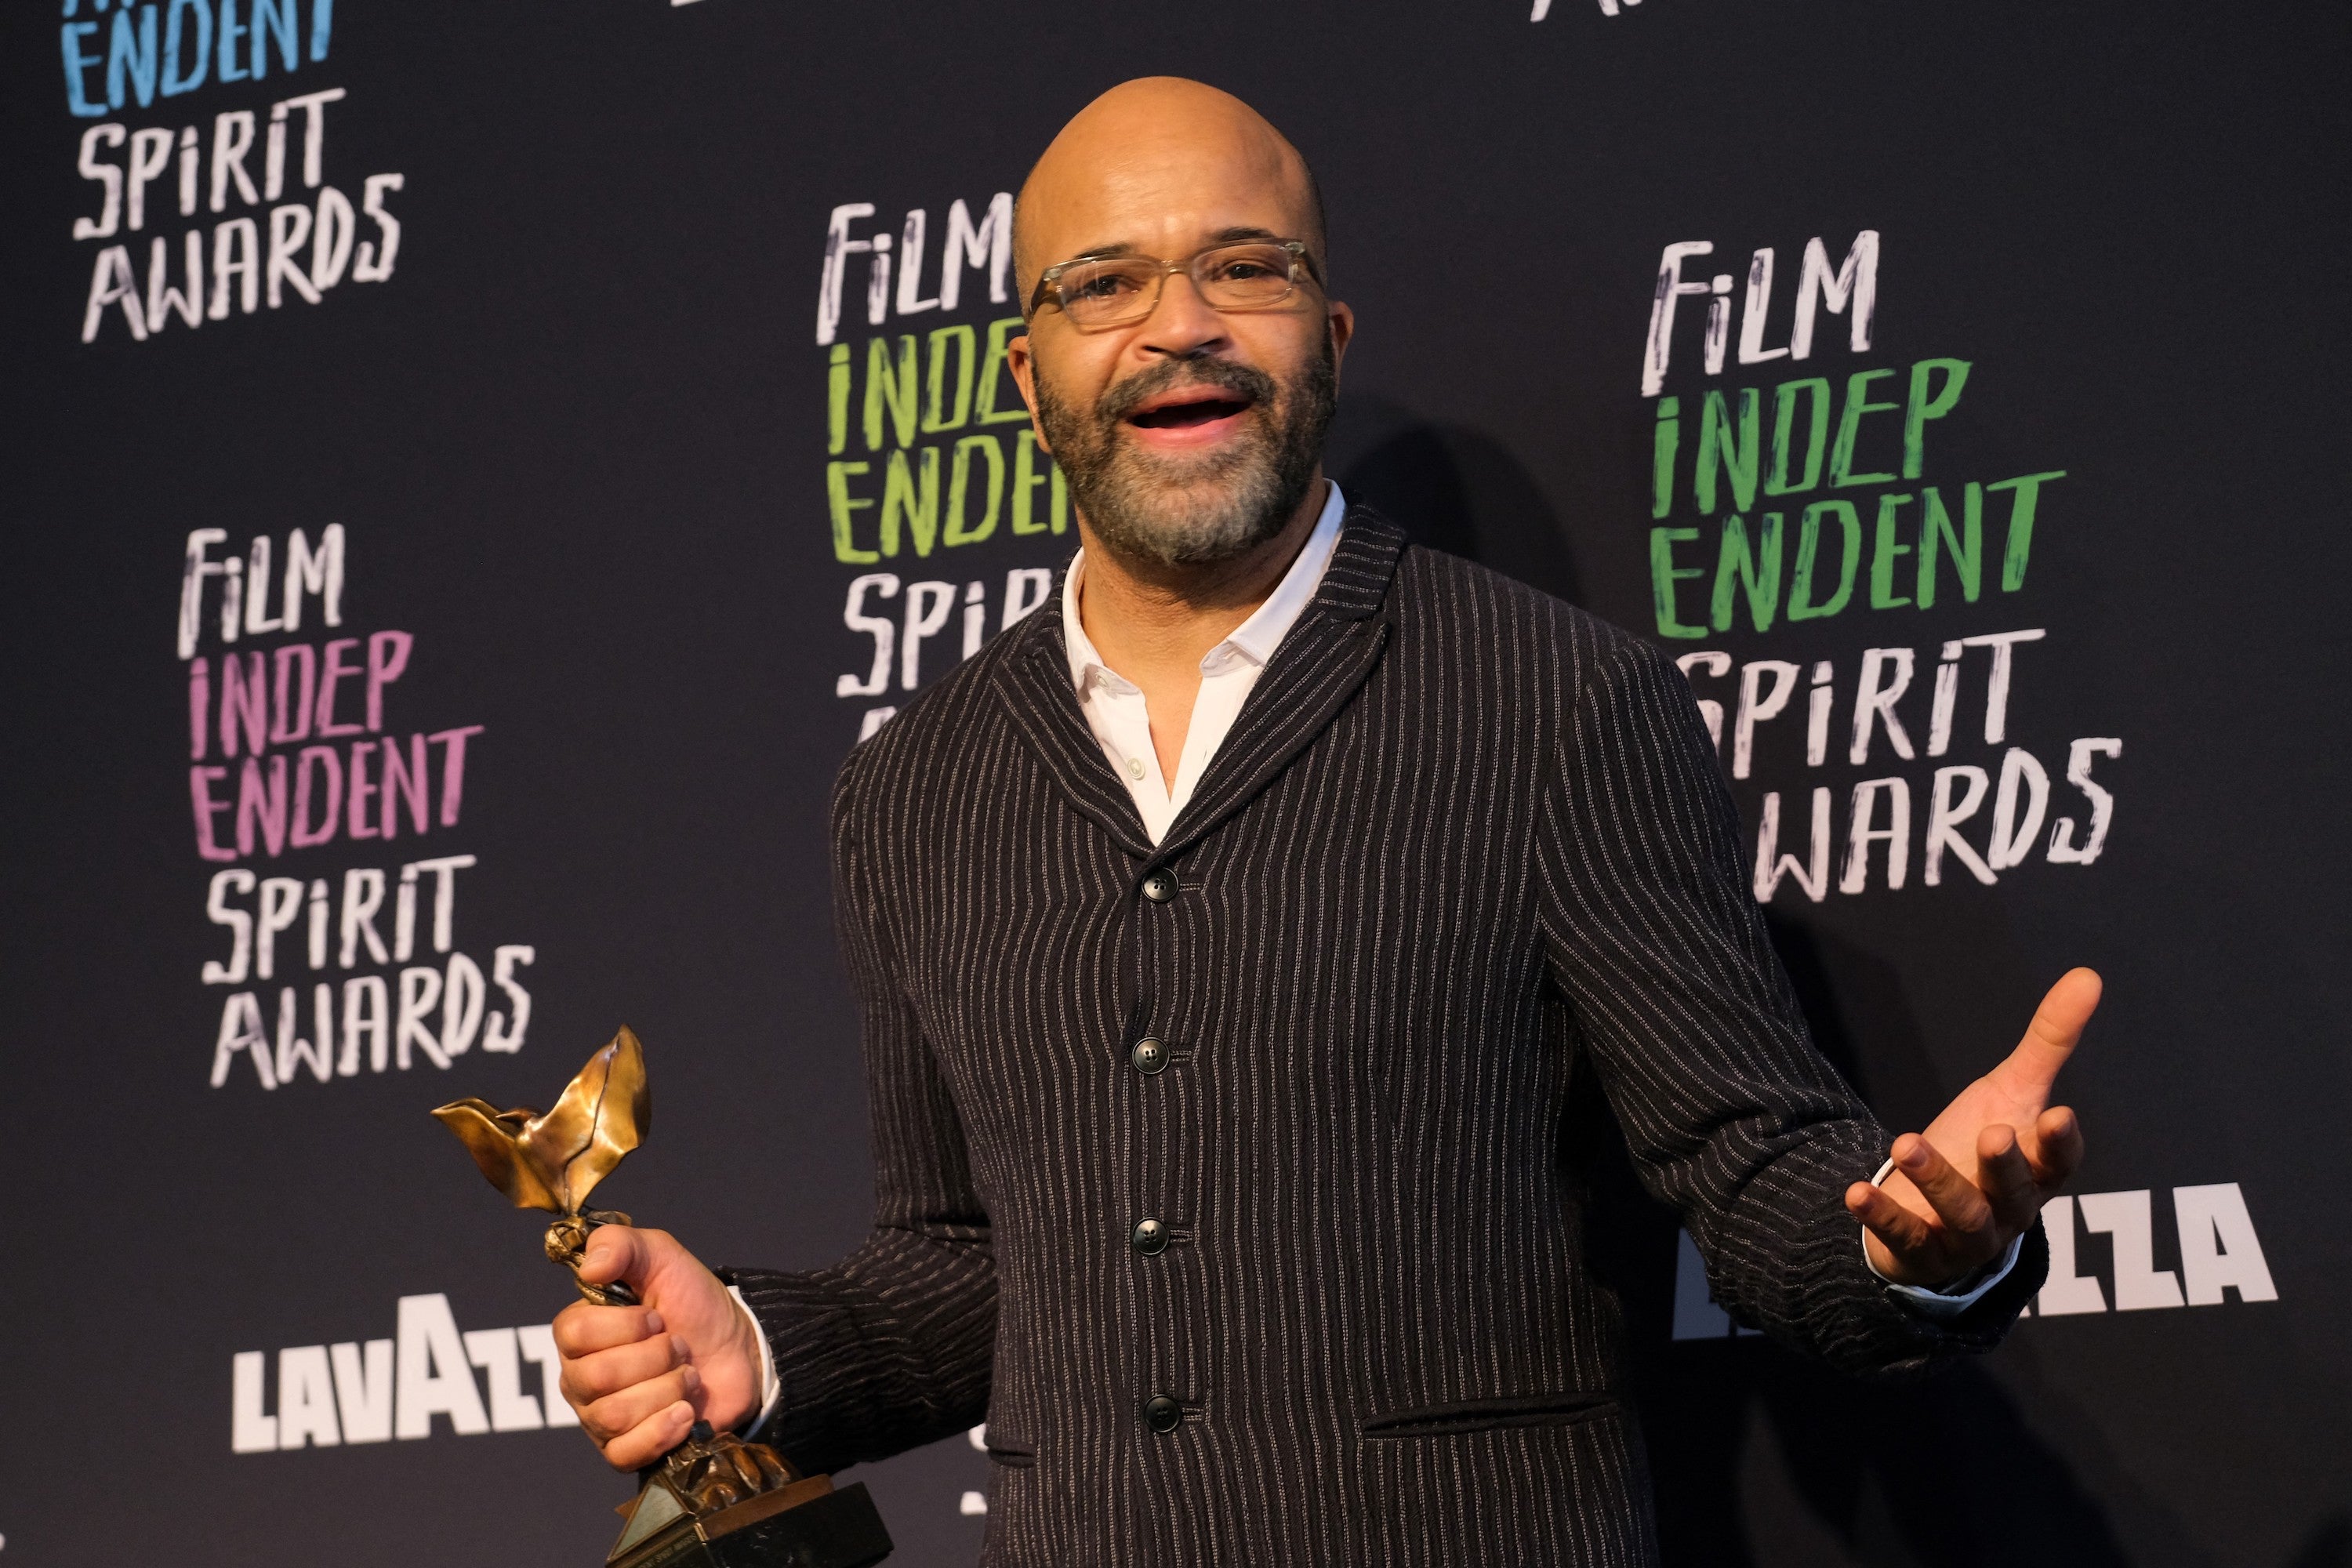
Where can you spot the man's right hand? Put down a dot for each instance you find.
(640, 1376)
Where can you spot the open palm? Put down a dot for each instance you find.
(1960, 1192)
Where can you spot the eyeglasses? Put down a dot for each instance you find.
(1113, 290)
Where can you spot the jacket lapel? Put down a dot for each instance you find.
(1034, 682)
(1329, 651)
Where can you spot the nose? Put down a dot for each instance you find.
(1182, 325)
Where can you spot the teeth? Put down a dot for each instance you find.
(1200, 406)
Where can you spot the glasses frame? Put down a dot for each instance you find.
(1301, 260)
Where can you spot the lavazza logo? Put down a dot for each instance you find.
(377, 1390)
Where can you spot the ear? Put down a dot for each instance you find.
(1024, 365)
(1343, 332)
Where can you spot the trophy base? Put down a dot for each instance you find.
(806, 1524)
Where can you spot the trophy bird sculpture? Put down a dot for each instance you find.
(552, 1160)
(714, 1501)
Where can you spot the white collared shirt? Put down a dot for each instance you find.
(1114, 705)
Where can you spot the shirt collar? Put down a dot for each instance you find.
(1255, 639)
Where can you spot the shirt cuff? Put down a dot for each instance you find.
(772, 1388)
(1948, 1303)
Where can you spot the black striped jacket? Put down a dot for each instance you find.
(1463, 843)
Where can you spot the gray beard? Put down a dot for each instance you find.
(1193, 510)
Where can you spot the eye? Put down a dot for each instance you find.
(1100, 285)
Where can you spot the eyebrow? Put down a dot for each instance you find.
(1105, 252)
(1233, 236)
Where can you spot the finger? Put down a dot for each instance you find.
(1902, 1233)
(592, 1377)
(613, 1252)
(2057, 1152)
(649, 1439)
(615, 1414)
(583, 1328)
(2050, 1039)
(2006, 1178)
(1956, 1199)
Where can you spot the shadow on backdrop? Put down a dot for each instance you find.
(2329, 1545)
(1451, 489)
(1762, 1459)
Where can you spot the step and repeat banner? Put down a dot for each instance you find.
(475, 471)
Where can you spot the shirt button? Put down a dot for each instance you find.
(1161, 1413)
(1159, 886)
(1150, 1238)
(1149, 1057)
(1135, 767)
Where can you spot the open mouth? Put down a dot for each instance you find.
(1187, 410)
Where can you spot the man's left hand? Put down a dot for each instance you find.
(1963, 1190)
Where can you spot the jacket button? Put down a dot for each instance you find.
(1162, 1414)
(1159, 886)
(1150, 1238)
(1149, 1057)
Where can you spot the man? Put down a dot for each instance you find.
(1231, 944)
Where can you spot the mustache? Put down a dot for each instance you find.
(1245, 382)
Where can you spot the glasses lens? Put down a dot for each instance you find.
(1243, 276)
(1097, 293)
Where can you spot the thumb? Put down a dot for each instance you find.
(2051, 1038)
(613, 1252)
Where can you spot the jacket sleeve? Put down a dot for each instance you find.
(1731, 1113)
(892, 1346)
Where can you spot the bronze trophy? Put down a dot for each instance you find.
(713, 1501)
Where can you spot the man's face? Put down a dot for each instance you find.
(1193, 435)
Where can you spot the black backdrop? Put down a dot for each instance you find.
(576, 433)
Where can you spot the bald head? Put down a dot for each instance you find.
(1168, 153)
(1191, 429)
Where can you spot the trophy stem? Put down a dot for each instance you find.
(567, 1242)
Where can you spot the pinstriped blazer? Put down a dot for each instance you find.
(1463, 846)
